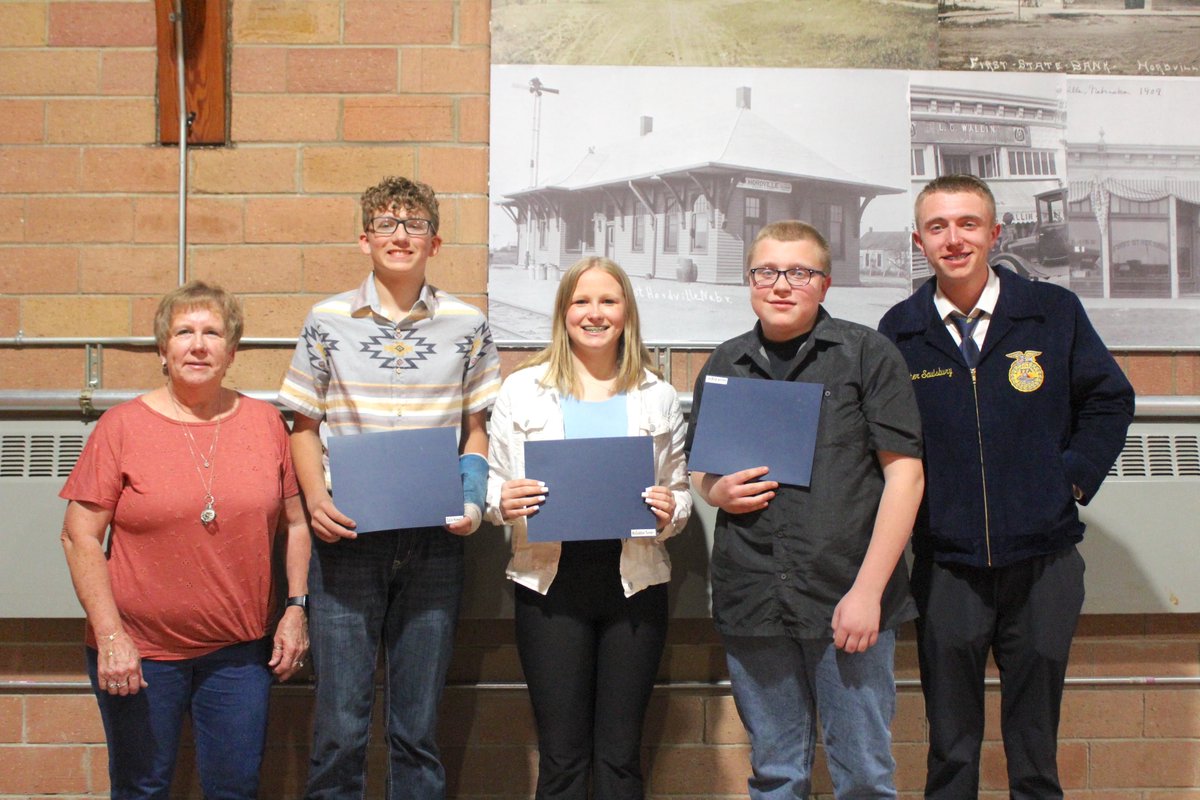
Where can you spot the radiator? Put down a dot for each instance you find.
(1142, 546)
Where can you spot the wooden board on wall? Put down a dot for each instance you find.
(206, 46)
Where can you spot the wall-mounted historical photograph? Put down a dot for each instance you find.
(1133, 211)
(1011, 131)
(1097, 185)
(1079, 113)
(717, 33)
(672, 171)
(1074, 37)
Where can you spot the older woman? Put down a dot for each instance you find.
(191, 483)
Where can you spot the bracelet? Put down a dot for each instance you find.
(113, 635)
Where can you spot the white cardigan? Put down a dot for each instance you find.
(526, 410)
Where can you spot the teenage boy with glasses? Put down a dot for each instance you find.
(394, 353)
(807, 584)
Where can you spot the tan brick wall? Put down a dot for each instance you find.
(327, 95)
(1117, 741)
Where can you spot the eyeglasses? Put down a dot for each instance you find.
(797, 277)
(415, 226)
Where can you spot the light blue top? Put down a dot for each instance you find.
(594, 420)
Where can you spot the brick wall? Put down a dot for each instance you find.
(327, 95)
(1117, 740)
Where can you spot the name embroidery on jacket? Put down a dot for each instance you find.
(944, 372)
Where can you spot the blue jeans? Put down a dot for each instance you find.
(226, 694)
(781, 685)
(401, 590)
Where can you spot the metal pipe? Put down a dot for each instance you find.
(12, 686)
(128, 341)
(1157, 407)
(181, 88)
(504, 344)
(96, 400)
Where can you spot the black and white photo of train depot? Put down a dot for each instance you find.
(672, 171)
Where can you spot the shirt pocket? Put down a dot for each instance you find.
(842, 423)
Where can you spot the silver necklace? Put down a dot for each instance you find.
(209, 513)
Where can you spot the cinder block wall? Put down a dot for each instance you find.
(327, 95)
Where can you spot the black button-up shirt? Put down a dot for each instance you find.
(781, 571)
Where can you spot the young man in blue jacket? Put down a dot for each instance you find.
(1023, 411)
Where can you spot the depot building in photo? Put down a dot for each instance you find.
(684, 203)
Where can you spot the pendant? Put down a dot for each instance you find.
(209, 513)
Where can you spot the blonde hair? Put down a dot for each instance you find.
(791, 230)
(633, 359)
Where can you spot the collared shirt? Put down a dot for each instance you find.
(984, 308)
(360, 371)
(781, 571)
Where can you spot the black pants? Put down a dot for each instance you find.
(1025, 613)
(590, 657)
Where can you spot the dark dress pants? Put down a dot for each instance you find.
(1025, 613)
(590, 657)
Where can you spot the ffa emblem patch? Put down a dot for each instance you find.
(1025, 374)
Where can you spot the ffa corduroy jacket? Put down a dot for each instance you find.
(1046, 410)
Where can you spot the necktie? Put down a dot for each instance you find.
(966, 329)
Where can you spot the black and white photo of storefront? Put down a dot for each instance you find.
(1009, 130)
(1097, 185)
(671, 172)
(1133, 161)
(1135, 189)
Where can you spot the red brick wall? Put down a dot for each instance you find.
(327, 95)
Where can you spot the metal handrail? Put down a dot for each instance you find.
(96, 400)
(21, 340)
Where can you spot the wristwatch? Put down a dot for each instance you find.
(300, 600)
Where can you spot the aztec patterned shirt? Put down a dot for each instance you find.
(360, 372)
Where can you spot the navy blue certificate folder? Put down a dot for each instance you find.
(396, 479)
(747, 422)
(594, 488)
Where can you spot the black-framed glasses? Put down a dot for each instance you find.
(413, 226)
(797, 277)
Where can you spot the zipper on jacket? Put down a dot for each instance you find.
(987, 534)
